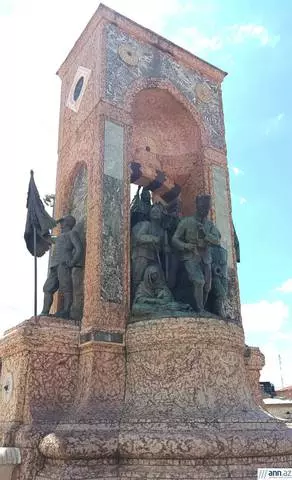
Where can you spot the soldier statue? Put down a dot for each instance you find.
(66, 254)
(148, 242)
(193, 238)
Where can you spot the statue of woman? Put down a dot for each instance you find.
(154, 297)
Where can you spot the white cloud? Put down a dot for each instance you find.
(237, 171)
(150, 13)
(273, 123)
(242, 200)
(199, 43)
(264, 316)
(286, 286)
(272, 371)
(243, 33)
(263, 324)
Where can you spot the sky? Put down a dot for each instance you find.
(250, 40)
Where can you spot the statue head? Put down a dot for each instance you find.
(203, 205)
(67, 223)
(152, 276)
(146, 196)
(156, 211)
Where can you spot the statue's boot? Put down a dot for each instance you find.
(65, 311)
(198, 294)
(48, 300)
(219, 307)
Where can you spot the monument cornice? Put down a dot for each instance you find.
(107, 15)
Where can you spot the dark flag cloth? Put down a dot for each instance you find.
(37, 217)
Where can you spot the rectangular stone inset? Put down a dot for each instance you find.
(100, 336)
(221, 205)
(112, 231)
(113, 150)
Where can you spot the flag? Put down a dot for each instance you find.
(37, 218)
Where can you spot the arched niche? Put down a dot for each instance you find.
(166, 138)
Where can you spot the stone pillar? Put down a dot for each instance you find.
(254, 361)
(217, 184)
(96, 133)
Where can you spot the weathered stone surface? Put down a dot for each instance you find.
(152, 63)
(221, 203)
(189, 412)
(188, 395)
(41, 356)
(112, 244)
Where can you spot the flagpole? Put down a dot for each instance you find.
(35, 272)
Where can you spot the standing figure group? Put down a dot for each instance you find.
(186, 252)
(177, 263)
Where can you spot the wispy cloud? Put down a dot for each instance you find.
(197, 41)
(271, 371)
(237, 171)
(242, 200)
(250, 31)
(264, 316)
(265, 324)
(273, 123)
(286, 286)
(201, 42)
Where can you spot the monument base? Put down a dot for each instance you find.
(39, 360)
(189, 412)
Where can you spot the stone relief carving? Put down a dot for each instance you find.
(128, 60)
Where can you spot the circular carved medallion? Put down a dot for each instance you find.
(128, 55)
(204, 92)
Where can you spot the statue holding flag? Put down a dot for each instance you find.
(66, 254)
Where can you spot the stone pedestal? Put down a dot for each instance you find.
(38, 385)
(189, 412)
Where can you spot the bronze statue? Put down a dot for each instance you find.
(219, 286)
(140, 206)
(171, 258)
(148, 242)
(193, 238)
(66, 254)
(154, 297)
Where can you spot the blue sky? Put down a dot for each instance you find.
(251, 41)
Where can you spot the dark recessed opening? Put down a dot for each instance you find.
(129, 53)
(148, 149)
(78, 88)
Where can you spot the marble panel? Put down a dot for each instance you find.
(112, 232)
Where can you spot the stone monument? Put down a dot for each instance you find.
(155, 379)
